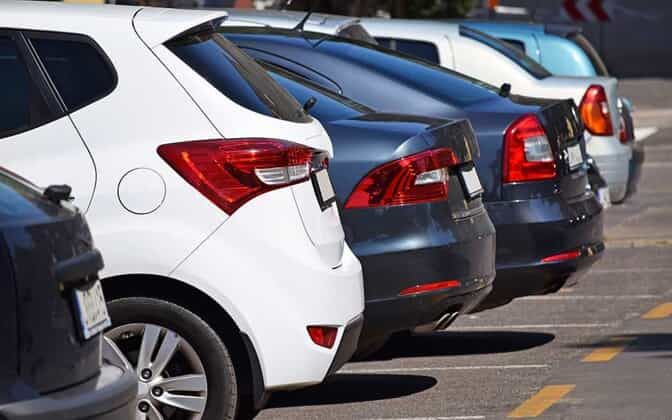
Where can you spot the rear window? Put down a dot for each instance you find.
(78, 68)
(329, 106)
(593, 56)
(236, 75)
(425, 50)
(512, 53)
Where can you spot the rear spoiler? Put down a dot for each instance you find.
(156, 26)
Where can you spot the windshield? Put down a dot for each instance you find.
(329, 106)
(593, 56)
(236, 75)
(530, 66)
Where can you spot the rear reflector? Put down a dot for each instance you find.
(430, 287)
(232, 172)
(565, 256)
(595, 113)
(414, 179)
(527, 152)
(622, 130)
(323, 336)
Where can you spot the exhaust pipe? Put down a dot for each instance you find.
(441, 324)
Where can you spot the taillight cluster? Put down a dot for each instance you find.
(594, 110)
(232, 172)
(527, 152)
(418, 178)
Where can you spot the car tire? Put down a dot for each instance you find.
(198, 340)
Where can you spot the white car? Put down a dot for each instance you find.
(206, 189)
(483, 57)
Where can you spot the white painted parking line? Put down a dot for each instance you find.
(533, 326)
(641, 133)
(629, 270)
(445, 368)
(588, 297)
(430, 418)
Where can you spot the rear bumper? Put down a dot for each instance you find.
(531, 230)
(348, 344)
(109, 396)
(613, 161)
(636, 164)
(464, 252)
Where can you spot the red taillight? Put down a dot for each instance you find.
(565, 256)
(595, 113)
(232, 172)
(323, 336)
(527, 152)
(419, 178)
(622, 130)
(430, 287)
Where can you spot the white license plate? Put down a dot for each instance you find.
(575, 156)
(327, 193)
(92, 310)
(603, 197)
(471, 182)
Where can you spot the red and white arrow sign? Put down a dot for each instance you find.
(588, 10)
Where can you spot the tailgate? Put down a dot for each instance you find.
(565, 133)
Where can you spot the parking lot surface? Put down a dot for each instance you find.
(599, 350)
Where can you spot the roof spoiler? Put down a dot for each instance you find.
(156, 26)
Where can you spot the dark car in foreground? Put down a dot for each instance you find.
(411, 207)
(52, 312)
(532, 166)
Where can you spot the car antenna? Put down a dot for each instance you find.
(505, 90)
(303, 21)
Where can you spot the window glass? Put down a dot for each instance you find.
(79, 71)
(329, 106)
(535, 69)
(236, 75)
(425, 50)
(22, 105)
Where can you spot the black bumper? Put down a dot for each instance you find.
(529, 231)
(348, 344)
(109, 396)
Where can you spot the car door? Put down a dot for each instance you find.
(37, 136)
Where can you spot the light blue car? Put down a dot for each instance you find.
(564, 51)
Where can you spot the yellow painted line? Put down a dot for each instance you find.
(659, 312)
(541, 401)
(605, 354)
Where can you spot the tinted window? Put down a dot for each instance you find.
(530, 66)
(593, 56)
(425, 50)
(22, 104)
(80, 72)
(329, 106)
(236, 75)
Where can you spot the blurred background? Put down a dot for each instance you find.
(632, 36)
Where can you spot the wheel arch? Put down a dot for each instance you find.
(243, 353)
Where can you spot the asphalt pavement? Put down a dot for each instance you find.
(599, 350)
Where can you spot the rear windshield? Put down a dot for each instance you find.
(530, 66)
(236, 75)
(421, 49)
(593, 56)
(329, 106)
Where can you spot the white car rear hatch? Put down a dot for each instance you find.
(242, 101)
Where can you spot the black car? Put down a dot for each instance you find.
(51, 313)
(411, 207)
(532, 165)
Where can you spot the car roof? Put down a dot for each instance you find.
(435, 27)
(287, 19)
(154, 25)
(559, 29)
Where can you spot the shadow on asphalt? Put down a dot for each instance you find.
(455, 343)
(343, 388)
(648, 342)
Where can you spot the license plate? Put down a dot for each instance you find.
(575, 156)
(603, 197)
(91, 309)
(471, 182)
(325, 191)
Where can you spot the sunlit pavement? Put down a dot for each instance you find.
(599, 350)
